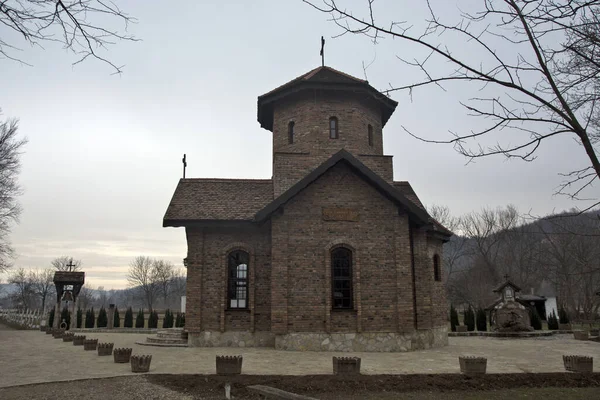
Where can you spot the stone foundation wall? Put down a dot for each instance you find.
(231, 339)
(307, 341)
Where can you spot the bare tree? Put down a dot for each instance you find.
(455, 249)
(543, 82)
(23, 295)
(86, 297)
(42, 284)
(102, 296)
(164, 273)
(66, 263)
(10, 166)
(142, 274)
(80, 26)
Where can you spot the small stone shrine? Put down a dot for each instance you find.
(68, 285)
(507, 314)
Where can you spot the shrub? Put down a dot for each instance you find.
(168, 319)
(139, 320)
(469, 319)
(536, 321)
(453, 318)
(182, 320)
(552, 321)
(51, 317)
(102, 318)
(128, 323)
(117, 319)
(178, 320)
(153, 320)
(90, 318)
(65, 316)
(481, 320)
(79, 318)
(563, 316)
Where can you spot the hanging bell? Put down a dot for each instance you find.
(67, 296)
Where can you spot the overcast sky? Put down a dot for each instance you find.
(104, 151)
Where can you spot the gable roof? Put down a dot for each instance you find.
(217, 199)
(321, 78)
(508, 282)
(362, 170)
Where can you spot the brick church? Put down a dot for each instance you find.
(331, 254)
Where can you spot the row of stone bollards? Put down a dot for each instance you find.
(573, 363)
(139, 363)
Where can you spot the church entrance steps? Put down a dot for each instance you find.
(172, 337)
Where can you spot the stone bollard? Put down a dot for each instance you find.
(581, 335)
(122, 355)
(78, 340)
(105, 349)
(346, 365)
(472, 365)
(68, 336)
(49, 330)
(90, 344)
(581, 364)
(229, 365)
(140, 363)
(58, 333)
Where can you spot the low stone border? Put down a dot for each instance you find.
(90, 344)
(346, 365)
(140, 363)
(229, 365)
(105, 349)
(581, 364)
(115, 330)
(581, 335)
(533, 334)
(274, 393)
(472, 365)
(122, 355)
(141, 343)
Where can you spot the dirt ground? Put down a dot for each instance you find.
(552, 386)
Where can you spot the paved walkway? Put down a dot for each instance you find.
(33, 357)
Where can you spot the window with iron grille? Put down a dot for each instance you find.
(341, 278)
(238, 261)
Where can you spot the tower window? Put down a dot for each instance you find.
(333, 128)
(436, 268)
(237, 292)
(341, 278)
(291, 132)
(370, 129)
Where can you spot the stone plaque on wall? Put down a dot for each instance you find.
(340, 214)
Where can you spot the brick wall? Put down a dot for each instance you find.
(207, 278)
(301, 285)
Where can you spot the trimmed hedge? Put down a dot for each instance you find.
(128, 323)
(139, 320)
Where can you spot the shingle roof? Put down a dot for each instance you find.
(217, 199)
(322, 78)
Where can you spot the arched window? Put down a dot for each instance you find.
(237, 282)
(291, 132)
(370, 132)
(341, 278)
(436, 268)
(333, 128)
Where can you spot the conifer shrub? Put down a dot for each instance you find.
(102, 318)
(481, 320)
(536, 321)
(139, 320)
(453, 318)
(168, 320)
(90, 318)
(51, 317)
(117, 319)
(153, 320)
(563, 316)
(552, 321)
(128, 323)
(469, 319)
(79, 317)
